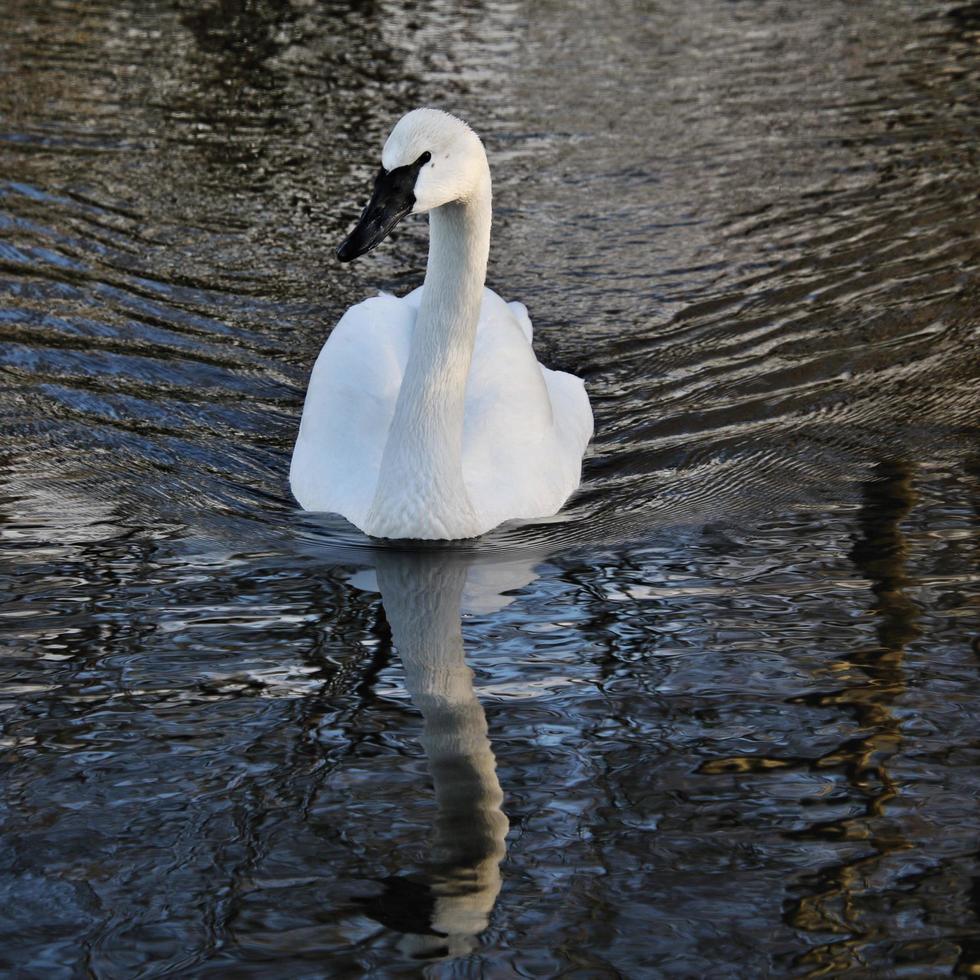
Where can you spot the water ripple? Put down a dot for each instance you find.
(725, 702)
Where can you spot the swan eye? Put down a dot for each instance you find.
(425, 158)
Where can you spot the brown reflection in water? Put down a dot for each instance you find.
(968, 962)
(880, 553)
(874, 680)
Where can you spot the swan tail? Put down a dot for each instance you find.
(524, 321)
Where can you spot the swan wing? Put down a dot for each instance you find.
(526, 427)
(349, 406)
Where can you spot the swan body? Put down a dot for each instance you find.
(428, 416)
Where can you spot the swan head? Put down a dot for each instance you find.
(430, 159)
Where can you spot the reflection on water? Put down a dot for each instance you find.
(880, 553)
(422, 595)
(732, 689)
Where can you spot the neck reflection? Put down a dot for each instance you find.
(422, 593)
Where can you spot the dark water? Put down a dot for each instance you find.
(725, 710)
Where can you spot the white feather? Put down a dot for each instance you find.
(429, 416)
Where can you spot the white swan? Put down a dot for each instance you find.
(429, 416)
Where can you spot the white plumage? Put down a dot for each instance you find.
(428, 416)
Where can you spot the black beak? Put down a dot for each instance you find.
(393, 198)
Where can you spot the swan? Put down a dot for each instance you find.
(428, 416)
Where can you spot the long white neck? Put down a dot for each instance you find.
(420, 491)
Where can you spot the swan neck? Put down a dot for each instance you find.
(421, 493)
(459, 245)
(456, 270)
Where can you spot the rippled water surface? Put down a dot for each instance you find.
(719, 719)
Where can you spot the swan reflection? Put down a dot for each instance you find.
(423, 594)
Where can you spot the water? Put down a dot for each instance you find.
(719, 719)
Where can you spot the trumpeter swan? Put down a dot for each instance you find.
(428, 416)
